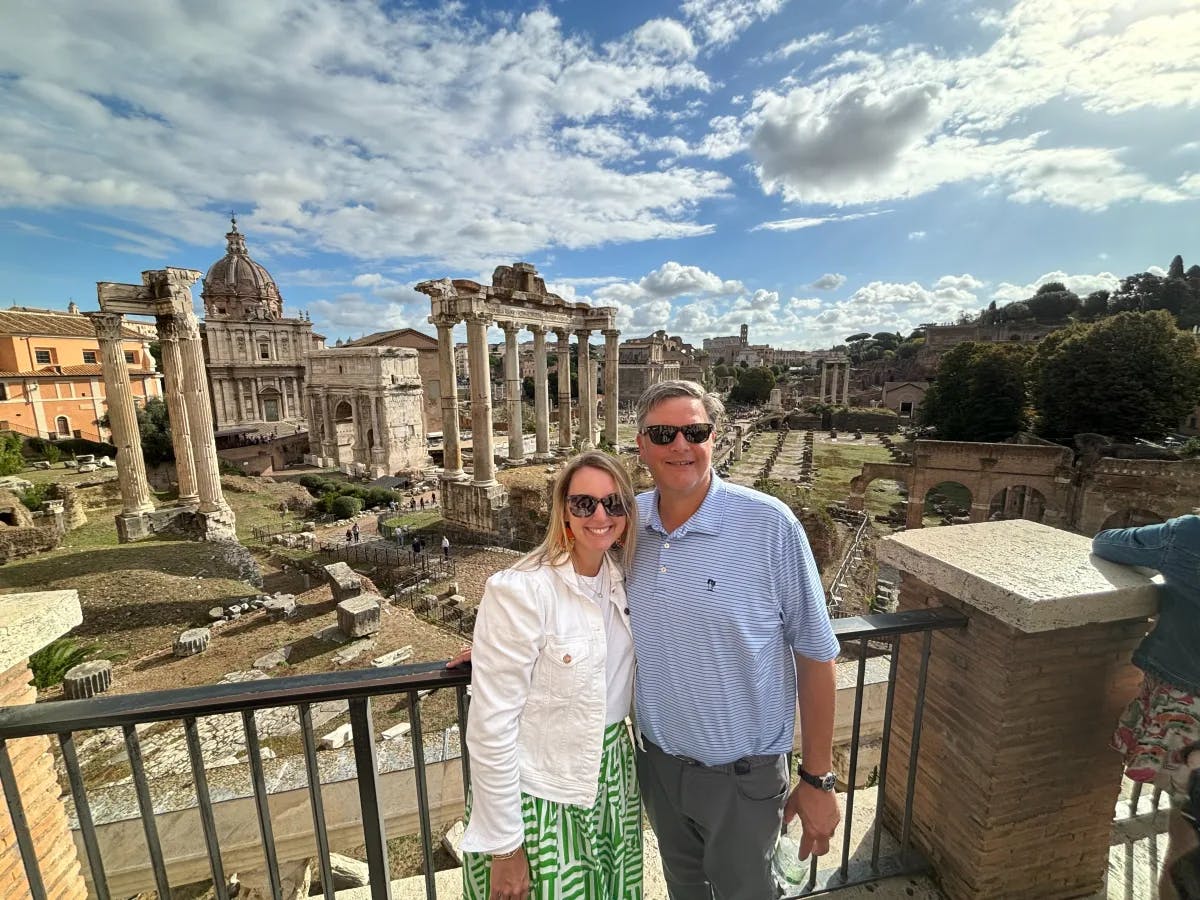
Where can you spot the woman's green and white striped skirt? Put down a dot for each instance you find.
(576, 853)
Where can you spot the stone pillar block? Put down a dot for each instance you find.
(344, 581)
(87, 679)
(192, 641)
(29, 622)
(1015, 782)
(359, 616)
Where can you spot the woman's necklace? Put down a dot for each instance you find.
(594, 586)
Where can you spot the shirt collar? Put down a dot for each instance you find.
(706, 520)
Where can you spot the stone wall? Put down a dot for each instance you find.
(28, 622)
(1016, 784)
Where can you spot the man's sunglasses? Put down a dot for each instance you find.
(662, 435)
(583, 505)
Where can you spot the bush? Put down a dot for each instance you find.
(11, 460)
(36, 496)
(53, 661)
(312, 484)
(52, 454)
(346, 507)
(380, 497)
(36, 447)
(1191, 449)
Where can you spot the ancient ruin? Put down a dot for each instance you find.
(166, 295)
(516, 299)
(365, 411)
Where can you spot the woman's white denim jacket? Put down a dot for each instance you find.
(538, 698)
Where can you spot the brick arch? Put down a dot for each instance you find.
(861, 483)
(1018, 501)
(920, 500)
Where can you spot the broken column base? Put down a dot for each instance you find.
(185, 521)
(477, 507)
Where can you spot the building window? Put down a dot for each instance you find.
(264, 350)
(906, 407)
(43, 357)
(3, 391)
(89, 357)
(63, 426)
(130, 356)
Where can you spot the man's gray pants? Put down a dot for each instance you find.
(716, 825)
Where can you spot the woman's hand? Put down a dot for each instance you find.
(510, 877)
(462, 659)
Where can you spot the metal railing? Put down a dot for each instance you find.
(863, 631)
(127, 712)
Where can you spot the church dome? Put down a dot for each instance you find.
(236, 287)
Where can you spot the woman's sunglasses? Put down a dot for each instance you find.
(583, 505)
(662, 435)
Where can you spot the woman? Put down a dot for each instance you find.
(1159, 732)
(554, 809)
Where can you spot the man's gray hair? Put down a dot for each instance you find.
(669, 390)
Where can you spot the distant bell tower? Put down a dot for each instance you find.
(745, 335)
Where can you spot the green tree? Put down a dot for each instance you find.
(979, 393)
(1132, 375)
(11, 460)
(754, 387)
(1095, 306)
(1052, 302)
(154, 426)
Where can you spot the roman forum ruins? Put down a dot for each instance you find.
(516, 299)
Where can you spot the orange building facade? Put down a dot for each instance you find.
(51, 385)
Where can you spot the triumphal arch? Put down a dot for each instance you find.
(365, 411)
(165, 294)
(516, 300)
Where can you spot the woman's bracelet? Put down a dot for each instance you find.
(509, 855)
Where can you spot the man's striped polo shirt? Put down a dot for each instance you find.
(717, 606)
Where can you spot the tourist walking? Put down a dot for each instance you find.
(1159, 732)
(553, 812)
(726, 654)
(354, 530)
(445, 547)
(349, 535)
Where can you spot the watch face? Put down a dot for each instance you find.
(828, 782)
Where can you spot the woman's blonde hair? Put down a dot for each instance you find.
(556, 547)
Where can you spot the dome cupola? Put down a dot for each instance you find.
(236, 287)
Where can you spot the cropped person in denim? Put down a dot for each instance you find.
(1159, 732)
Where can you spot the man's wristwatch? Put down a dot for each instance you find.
(826, 782)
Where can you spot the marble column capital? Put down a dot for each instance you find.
(444, 321)
(107, 325)
(562, 334)
(610, 332)
(583, 333)
(537, 329)
(478, 318)
(513, 328)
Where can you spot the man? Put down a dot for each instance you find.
(445, 547)
(731, 631)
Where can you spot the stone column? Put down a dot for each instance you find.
(824, 376)
(31, 621)
(181, 436)
(846, 386)
(512, 394)
(1015, 782)
(564, 390)
(612, 358)
(481, 399)
(199, 411)
(122, 417)
(452, 466)
(541, 396)
(587, 408)
(833, 393)
(330, 444)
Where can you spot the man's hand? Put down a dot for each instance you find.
(462, 659)
(510, 877)
(819, 816)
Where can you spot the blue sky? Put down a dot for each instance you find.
(812, 168)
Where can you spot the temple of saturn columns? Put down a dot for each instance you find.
(517, 299)
(829, 390)
(365, 411)
(202, 513)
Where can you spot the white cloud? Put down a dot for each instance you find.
(916, 235)
(873, 126)
(828, 282)
(360, 143)
(1006, 292)
(813, 221)
(721, 21)
(368, 280)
